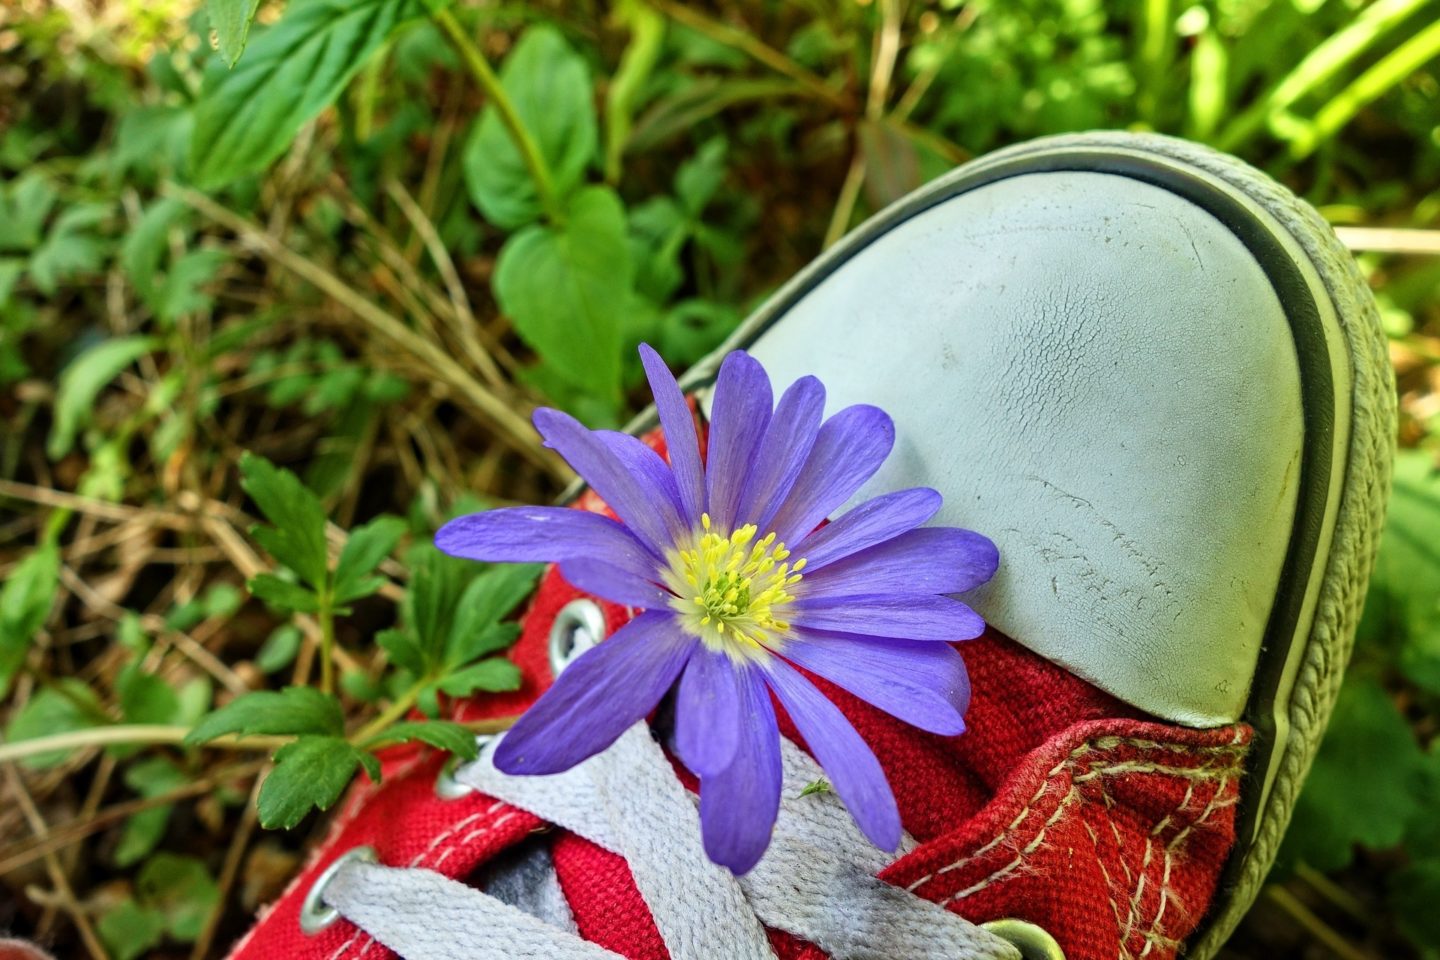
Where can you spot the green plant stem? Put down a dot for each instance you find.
(1369, 86)
(1319, 65)
(490, 83)
(397, 709)
(326, 618)
(147, 734)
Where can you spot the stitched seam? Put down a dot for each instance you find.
(1065, 802)
(1172, 848)
(1109, 884)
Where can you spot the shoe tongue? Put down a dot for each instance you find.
(1097, 375)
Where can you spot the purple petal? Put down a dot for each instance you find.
(544, 534)
(929, 560)
(845, 756)
(738, 806)
(628, 493)
(782, 452)
(608, 581)
(680, 440)
(850, 448)
(608, 689)
(707, 712)
(740, 414)
(872, 522)
(906, 617)
(922, 683)
(647, 466)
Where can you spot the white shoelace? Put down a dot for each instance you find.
(816, 881)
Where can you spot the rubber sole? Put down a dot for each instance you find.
(1349, 398)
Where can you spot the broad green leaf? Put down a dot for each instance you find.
(247, 116)
(367, 546)
(25, 204)
(230, 19)
(129, 930)
(145, 698)
(184, 291)
(450, 737)
(279, 649)
(492, 675)
(1404, 599)
(81, 382)
(72, 247)
(298, 537)
(294, 710)
(66, 707)
(10, 270)
(310, 773)
(1414, 892)
(283, 596)
(181, 890)
(549, 85)
(151, 777)
(403, 651)
(566, 290)
(487, 600)
(1364, 785)
(25, 601)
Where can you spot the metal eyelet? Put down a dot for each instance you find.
(1033, 941)
(578, 626)
(446, 786)
(315, 915)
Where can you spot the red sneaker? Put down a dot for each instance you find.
(1157, 381)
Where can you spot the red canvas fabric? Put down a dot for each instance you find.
(1059, 805)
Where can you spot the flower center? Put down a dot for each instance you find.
(731, 590)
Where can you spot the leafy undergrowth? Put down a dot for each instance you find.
(275, 306)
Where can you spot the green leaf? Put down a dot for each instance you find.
(1364, 785)
(450, 737)
(25, 601)
(279, 649)
(146, 244)
(25, 204)
(487, 599)
(129, 930)
(549, 85)
(436, 583)
(1404, 599)
(145, 698)
(282, 595)
(310, 773)
(181, 890)
(230, 19)
(71, 248)
(294, 710)
(298, 537)
(68, 706)
(246, 117)
(363, 552)
(81, 382)
(152, 777)
(403, 651)
(492, 675)
(566, 290)
(183, 291)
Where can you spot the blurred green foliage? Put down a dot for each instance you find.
(363, 238)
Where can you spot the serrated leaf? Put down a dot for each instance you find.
(298, 536)
(450, 737)
(403, 651)
(310, 773)
(25, 601)
(183, 291)
(493, 675)
(487, 599)
(68, 706)
(549, 85)
(1364, 784)
(152, 777)
(292, 711)
(145, 698)
(283, 596)
(367, 547)
(247, 116)
(566, 290)
(81, 382)
(436, 583)
(146, 244)
(230, 19)
(129, 930)
(71, 248)
(181, 890)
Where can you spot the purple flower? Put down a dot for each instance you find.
(738, 587)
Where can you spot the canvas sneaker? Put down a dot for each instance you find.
(1157, 381)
